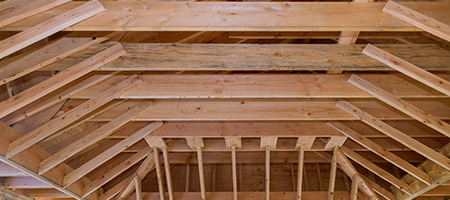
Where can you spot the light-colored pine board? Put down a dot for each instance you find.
(65, 119)
(45, 87)
(333, 170)
(408, 69)
(159, 176)
(44, 56)
(49, 27)
(418, 19)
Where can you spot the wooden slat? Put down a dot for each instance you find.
(301, 159)
(69, 117)
(43, 88)
(7, 193)
(249, 16)
(265, 57)
(8, 171)
(408, 68)
(201, 173)
(396, 134)
(110, 174)
(137, 185)
(44, 56)
(24, 183)
(108, 154)
(382, 152)
(141, 172)
(168, 173)
(379, 189)
(305, 142)
(234, 173)
(418, 19)
(159, 176)
(354, 189)
(15, 10)
(267, 173)
(49, 27)
(332, 182)
(442, 190)
(377, 170)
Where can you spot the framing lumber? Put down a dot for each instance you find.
(335, 141)
(301, 159)
(21, 9)
(111, 152)
(267, 173)
(49, 27)
(402, 105)
(382, 152)
(379, 189)
(354, 189)
(177, 16)
(99, 134)
(305, 142)
(377, 170)
(401, 137)
(196, 143)
(232, 143)
(7, 193)
(263, 57)
(45, 87)
(318, 35)
(408, 69)
(138, 189)
(56, 124)
(168, 173)
(332, 182)
(146, 166)
(110, 174)
(24, 183)
(44, 56)
(418, 19)
(159, 175)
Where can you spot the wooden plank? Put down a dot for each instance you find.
(408, 69)
(16, 10)
(257, 85)
(235, 142)
(267, 173)
(49, 27)
(262, 57)
(269, 142)
(109, 194)
(234, 173)
(137, 185)
(98, 135)
(248, 16)
(418, 19)
(146, 166)
(300, 164)
(396, 134)
(382, 152)
(44, 56)
(335, 141)
(8, 171)
(55, 124)
(354, 189)
(159, 176)
(379, 189)
(168, 173)
(332, 182)
(377, 170)
(442, 190)
(269, 110)
(43, 88)
(108, 154)
(309, 195)
(110, 174)
(305, 142)
(7, 193)
(201, 173)
(318, 35)
(24, 183)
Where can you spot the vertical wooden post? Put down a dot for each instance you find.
(168, 173)
(188, 169)
(301, 155)
(333, 174)
(233, 163)
(201, 173)
(354, 190)
(267, 172)
(137, 185)
(158, 173)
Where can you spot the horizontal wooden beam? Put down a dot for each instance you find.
(318, 35)
(25, 183)
(268, 110)
(261, 86)
(252, 57)
(246, 16)
(306, 195)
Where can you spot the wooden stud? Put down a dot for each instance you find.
(188, 169)
(382, 152)
(418, 19)
(141, 172)
(45, 87)
(137, 185)
(408, 69)
(201, 173)
(49, 27)
(159, 174)
(301, 159)
(168, 173)
(332, 181)
(234, 174)
(267, 182)
(354, 189)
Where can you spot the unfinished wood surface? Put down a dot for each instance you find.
(24, 183)
(251, 57)
(234, 173)
(69, 117)
(49, 27)
(201, 173)
(246, 16)
(418, 19)
(402, 105)
(145, 167)
(168, 173)
(377, 170)
(381, 151)
(138, 188)
(111, 174)
(335, 141)
(408, 69)
(354, 189)
(300, 167)
(396, 134)
(111, 152)
(267, 173)
(15, 10)
(44, 56)
(43, 88)
(159, 176)
(332, 181)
